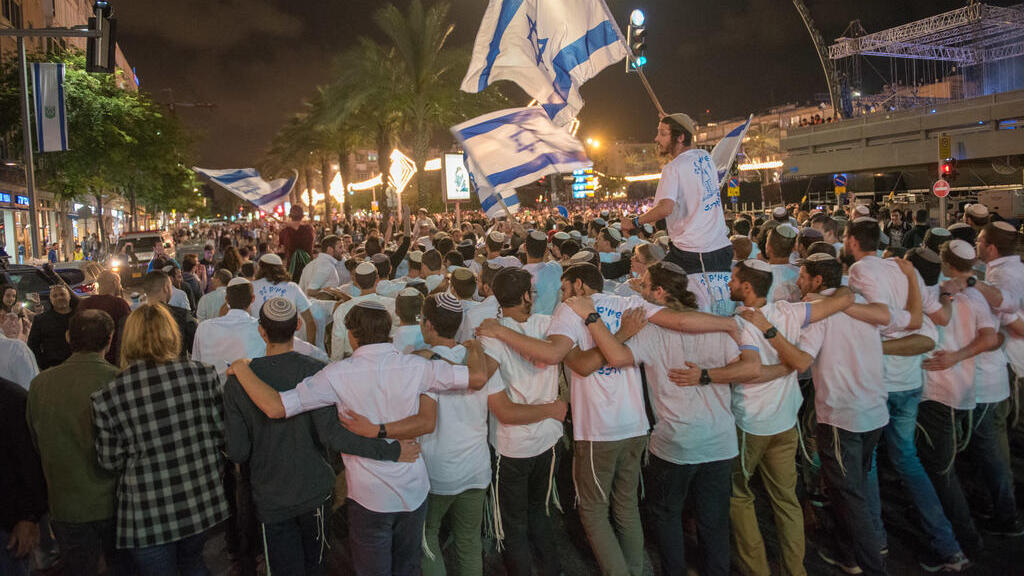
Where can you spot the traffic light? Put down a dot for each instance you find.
(101, 51)
(948, 169)
(636, 39)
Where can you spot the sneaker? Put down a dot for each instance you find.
(1015, 528)
(884, 552)
(955, 563)
(849, 568)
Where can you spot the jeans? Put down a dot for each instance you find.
(384, 543)
(465, 512)
(523, 502)
(846, 463)
(9, 565)
(607, 476)
(899, 439)
(943, 428)
(668, 485)
(775, 457)
(985, 449)
(82, 545)
(296, 546)
(183, 557)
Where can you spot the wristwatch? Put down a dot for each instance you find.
(770, 333)
(591, 318)
(636, 222)
(971, 281)
(705, 378)
(383, 432)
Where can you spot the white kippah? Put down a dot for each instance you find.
(575, 234)
(561, 236)
(496, 236)
(410, 292)
(271, 258)
(615, 234)
(616, 225)
(648, 228)
(462, 273)
(415, 256)
(279, 309)
(672, 267)
(861, 210)
(786, 231)
(819, 257)
(538, 235)
(977, 210)
(780, 212)
(371, 305)
(962, 249)
(759, 265)
(449, 302)
(957, 226)
(864, 219)
(582, 256)
(238, 281)
(1004, 226)
(937, 231)
(600, 222)
(365, 269)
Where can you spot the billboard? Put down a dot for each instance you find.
(456, 178)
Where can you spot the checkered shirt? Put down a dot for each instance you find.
(161, 425)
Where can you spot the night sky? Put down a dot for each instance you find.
(257, 59)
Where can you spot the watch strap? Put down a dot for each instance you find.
(591, 318)
(383, 431)
(770, 333)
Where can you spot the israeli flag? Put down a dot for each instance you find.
(510, 148)
(547, 47)
(50, 112)
(494, 204)
(247, 184)
(724, 153)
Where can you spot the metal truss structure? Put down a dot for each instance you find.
(974, 34)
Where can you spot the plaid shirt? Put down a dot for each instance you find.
(161, 425)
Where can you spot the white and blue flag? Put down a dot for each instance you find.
(247, 184)
(510, 148)
(724, 153)
(50, 112)
(494, 204)
(549, 48)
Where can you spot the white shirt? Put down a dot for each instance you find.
(340, 346)
(770, 408)
(506, 262)
(179, 299)
(456, 452)
(1007, 274)
(547, 282)
(19, 362)
(697, 223)
(693, 424)
(1014, 347)
(321, 272)
(991, 378)
(263, 290)
(954, 387)
(433, 281)
(210, 304)
(609, 404)
(389, 288)
(473, 314)
(879, 280)
(384, 386)
(219, 341)
(525, 383)
(409, 339)
(849, 391)
(784, 283)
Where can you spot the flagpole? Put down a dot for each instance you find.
(26, 137)
(650, 92)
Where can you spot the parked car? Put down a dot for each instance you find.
(81, 276)
(32, 283)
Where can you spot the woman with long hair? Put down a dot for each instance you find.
(231, 261)
(273, 281)
(15, 319)
(159, 425)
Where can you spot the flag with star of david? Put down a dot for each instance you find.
(549, 48)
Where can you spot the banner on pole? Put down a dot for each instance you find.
(50, 111)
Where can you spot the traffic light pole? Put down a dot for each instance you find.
(26, 122)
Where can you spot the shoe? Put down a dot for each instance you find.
(847, 568)
(884, 552)
(1011, 529)
(955, 563)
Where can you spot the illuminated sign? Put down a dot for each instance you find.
(456, 178)
(584, 183)
(21, 200)
(5, 197)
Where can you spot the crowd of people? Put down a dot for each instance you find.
(476, 378)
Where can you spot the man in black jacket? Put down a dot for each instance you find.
(48, 336)
(915, 236)
(22, 484)
(157, 285)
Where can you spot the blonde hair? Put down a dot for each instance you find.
(151, 335)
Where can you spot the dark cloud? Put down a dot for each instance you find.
(208, 25)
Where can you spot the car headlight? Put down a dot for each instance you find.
(115, 263)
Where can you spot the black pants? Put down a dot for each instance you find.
(83, 543)
(944, 427)
(296, 545)
(715, 261)
(845, 462)
(667, 486)
(522, 485)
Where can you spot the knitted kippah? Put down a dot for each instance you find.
(449, 302)
(279, 309)
(759, 265)
(371, 305)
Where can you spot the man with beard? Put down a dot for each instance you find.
(689, 201)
